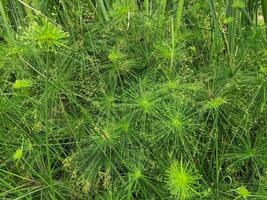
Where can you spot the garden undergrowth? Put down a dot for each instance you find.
(132, 100)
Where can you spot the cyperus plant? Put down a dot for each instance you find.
(182, 180)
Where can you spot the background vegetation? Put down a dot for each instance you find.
(125, 99)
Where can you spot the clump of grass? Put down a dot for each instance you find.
(22, 84)
(132, 100)
(242, 192)
(182, 180)
(44, 34)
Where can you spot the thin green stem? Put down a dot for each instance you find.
(179, 15)
(264, 10)
(103, 10)
(49, 167)
(6, 21)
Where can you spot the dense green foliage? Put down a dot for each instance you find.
(124, 99)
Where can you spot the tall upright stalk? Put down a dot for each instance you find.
(264, 10)
(5, 18)
(179, 15)
(249, 14)
(103, 10)
(218, 37)
(232, 30)
(163, 4)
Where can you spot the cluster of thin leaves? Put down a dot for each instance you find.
(132, 108)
